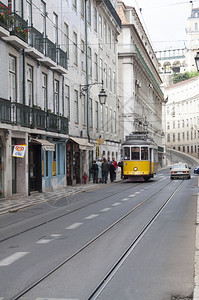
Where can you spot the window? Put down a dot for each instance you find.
(12, 78)
(168, 125)
(178, 124)
(101, 70)
(135, 153)
(178, 136)
(196, 26)
(97, 114)
(183, 135)
(182, 123)
(106, 116)
(83, 57)
(168, 138)
(29, 9)
(89, 62)
(30, 85)
(67, 101)
(144, 153)
(174, 137)
(173, 124)
(109, 37)
(126, 153)
(83, 8)
(43, 15)
(89, 12)
(59, 159)
(90, 108)
(83, 97)
(102, 117)
(96, 66)
(115, 122)
(111, 120)
(110, 79)
(106, 75)
(56, 97)
(76, 108)
(100, 27)
(95, 19)
(105, 32)
(55, 24)
(75, 48)
(66, 38)
(187, 135)
(44, 91)
(114, 83)
(75, 4)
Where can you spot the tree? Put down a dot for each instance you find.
(184, 76)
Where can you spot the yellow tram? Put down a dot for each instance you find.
(140, 157)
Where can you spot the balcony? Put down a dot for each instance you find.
(5, 111)
(35, 42)
(4, 20)
(62, 64)
(18, 31)
(38, 117)
(50, 53)
(63, 125)
(15, 113)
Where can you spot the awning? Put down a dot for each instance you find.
(83, 144)
(46, 145)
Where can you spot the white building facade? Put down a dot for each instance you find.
(139, 80)
(44, 60)
(182, 116)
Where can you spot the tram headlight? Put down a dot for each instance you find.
(135, 169)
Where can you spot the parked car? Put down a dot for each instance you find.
(196, 170)
(180, 170)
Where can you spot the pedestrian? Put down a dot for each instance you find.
(120, 164)
(105, 169)
(112, 172)
(95, 172)
(116, 166)
(99, 163)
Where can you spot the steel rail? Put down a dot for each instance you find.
(34, 284)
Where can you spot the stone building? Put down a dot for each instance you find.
(47, 52)
(139, 80)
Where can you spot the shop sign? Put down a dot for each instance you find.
(19, 150)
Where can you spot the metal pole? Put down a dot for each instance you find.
(87, 90)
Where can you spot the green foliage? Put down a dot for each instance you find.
(184, 76)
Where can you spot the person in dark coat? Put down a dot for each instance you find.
(95, 172)
(112, 172)
(105, 169)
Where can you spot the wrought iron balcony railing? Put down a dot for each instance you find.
(49, 49)
(35, 39)
(21, 114)
(38, 117)
(19, 27)
(62, 58)
(63, 125)
(15, 113)
(5, 111)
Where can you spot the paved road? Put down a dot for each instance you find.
(159, 266)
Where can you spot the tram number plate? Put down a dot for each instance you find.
(138, 172)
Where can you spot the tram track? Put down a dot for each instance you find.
(121, 259)
(59, 216)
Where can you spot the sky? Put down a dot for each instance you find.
(165, 21)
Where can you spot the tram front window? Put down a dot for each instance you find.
(126, 153)
(135, 153)
(144, 153)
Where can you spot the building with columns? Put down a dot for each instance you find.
(139, 80)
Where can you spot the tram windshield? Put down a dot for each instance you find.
(135, 153)
(126, 153)
(144, 153)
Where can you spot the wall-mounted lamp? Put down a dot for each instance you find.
(102, 95)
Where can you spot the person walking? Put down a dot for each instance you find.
(99, 163)
(105, 169)
(95, 172)
(112, 172)
(115, 166)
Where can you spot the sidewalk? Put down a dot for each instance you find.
(17, 201)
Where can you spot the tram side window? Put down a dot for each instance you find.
(135, 153)
(126, 153)
(144, 153)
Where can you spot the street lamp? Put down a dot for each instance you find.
(197, 61)
(145, 125)
(102, 95)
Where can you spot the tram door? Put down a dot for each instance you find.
(151, 160)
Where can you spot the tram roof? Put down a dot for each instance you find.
(139, 138)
